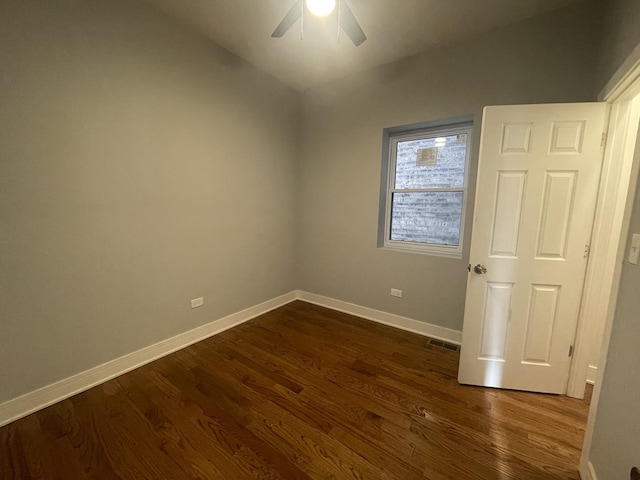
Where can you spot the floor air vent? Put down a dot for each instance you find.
(441, 344)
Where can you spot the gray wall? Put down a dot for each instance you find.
(140, 166)
(616, 440)
(550, 58)
(620, 35)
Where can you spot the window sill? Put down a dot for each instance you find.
(447, 252)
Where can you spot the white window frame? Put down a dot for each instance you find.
(408, 134)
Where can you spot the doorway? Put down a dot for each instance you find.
(601, 290)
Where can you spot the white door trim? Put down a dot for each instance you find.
(605, 242)
(617, 183)
(625, 94)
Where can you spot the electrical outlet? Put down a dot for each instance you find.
(197, 302)
(396, 293)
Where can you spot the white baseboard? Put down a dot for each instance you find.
(403, 323)
(592, 374)
(588, 473)
(43, 397)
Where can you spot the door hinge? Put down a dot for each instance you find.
(587, 248)
(571, 350)
(604, 139)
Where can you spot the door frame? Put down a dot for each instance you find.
(615, 198)
(617, 183)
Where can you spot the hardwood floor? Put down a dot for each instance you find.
(300, 393)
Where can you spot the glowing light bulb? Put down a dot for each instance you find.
(321, 8)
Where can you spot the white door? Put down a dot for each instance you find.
(538, 177)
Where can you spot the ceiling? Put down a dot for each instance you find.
(395, 29)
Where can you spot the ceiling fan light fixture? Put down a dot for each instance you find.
(346, 20)
(321, 8)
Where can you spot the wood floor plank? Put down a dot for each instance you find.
(199, 438)
(13, 461)
(300, 393)
(346, 460)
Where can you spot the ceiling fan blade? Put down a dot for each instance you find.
(289, 20)
(350, 25)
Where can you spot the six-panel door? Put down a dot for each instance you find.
(535, 200)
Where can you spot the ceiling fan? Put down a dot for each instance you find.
(321, 8)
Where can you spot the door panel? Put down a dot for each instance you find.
(557, 210)
(506, 220)
(535, 199)
(540, 322)
(495, 321)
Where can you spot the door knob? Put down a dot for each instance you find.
(480, 269)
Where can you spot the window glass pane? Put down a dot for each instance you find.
(427, 217)
(436, 162)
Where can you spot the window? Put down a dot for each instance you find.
(425, 189)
